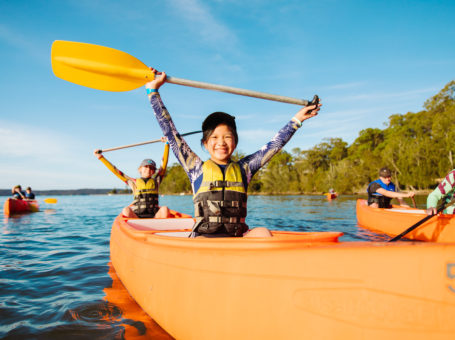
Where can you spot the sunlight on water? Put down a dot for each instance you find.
(56, 278)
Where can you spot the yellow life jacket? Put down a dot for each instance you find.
(221, 200)
(145, 202)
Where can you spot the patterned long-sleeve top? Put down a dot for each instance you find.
(192, 164)
(445, 189)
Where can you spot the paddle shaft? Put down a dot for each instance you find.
(414, 201)
(108, 69)
(234, 90)
(411, 228)
(143, 143)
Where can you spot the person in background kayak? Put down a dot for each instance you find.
(29, 194)
(220, 184)
(17, 192)
(445, 190)
(382, 191)
(145, 188)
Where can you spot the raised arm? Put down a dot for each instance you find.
(164, 160)
(255, 161)
(190, 162)
(112, 168)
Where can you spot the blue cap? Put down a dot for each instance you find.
(148, 162)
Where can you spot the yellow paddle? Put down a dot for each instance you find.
(105, 68)
(50, 200)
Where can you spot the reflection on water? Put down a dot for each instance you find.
(55, 282)
(136, 323)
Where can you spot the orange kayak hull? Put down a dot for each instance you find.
(394, 221)
(13, 206)
(331, 196)
(291, 286)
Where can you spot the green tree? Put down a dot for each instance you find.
(176, 181)
(279, 176)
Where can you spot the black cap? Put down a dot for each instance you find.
(216, 118)
(385, 172)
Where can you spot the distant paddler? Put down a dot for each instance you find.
(382, 191)
(29, 194)
(331, 194)
(17, 192)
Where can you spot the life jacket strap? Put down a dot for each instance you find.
(215, 205)
(222, 219)
(221, 184)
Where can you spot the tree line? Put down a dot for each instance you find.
(418, 148)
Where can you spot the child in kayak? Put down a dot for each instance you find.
(17, 192)
(145, 188)
(220, 184)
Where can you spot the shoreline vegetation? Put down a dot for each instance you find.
(69, 192)
(417, 147)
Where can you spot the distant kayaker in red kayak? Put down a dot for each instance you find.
(29, 194)
(17, 192)
(145, 188)
(382, 191)
(220, 184)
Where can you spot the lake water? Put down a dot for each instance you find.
(56, 281)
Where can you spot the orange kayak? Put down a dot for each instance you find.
(331, 196)
(13, 206)
(295, 285)
(393, 221)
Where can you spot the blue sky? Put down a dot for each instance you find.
(365, 59)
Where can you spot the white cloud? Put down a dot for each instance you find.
(345, 86)
(26, 141)
(246, 136)
(203, 22)
(24, 43)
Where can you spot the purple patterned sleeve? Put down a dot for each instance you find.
(190, 162)
(252, 163)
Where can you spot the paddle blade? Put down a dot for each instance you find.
(50, 200)
(98, 67)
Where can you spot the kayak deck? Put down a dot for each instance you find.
(290, 286)
(440, 228)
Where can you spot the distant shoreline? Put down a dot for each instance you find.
(7, 192)
(71, 192)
